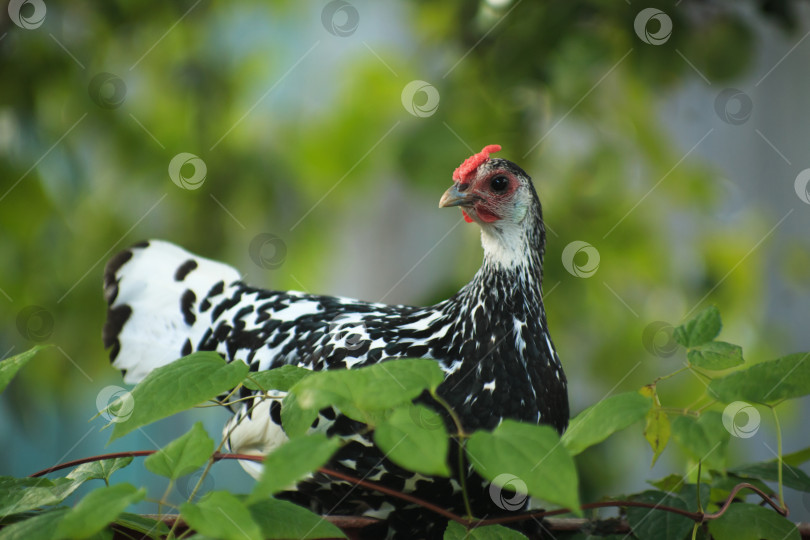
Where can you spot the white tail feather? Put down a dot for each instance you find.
(151, 311)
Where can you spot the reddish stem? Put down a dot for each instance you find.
(699, 517)
(114, 455)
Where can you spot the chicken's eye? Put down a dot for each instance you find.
(499, 183)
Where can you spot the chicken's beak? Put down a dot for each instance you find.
(454, 197)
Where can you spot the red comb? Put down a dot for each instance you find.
(465, 170)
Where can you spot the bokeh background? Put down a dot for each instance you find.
(671, 139)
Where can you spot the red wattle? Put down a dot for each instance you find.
(485, 215)
(467, 218)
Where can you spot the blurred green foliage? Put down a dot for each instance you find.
(567, 88)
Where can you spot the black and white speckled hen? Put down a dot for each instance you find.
(490, 339)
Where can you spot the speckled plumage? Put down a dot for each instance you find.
(490, 339)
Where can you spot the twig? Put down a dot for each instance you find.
(779, 456)
(698, 517)
(73, 463)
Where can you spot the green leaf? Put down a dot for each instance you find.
(456, 531)
(98, 470)
(599, 421)
(295, 420)
(722, 486)
(372, 388)
(654, 524)
(39, 527)
(767, 382)
(657, 431)
(702, 329)
(183, 455)
(19, 495)
(743, 521)
(715, 355)
(10, 366)
(792, 477)
(143, 525)
(280, 520)
(96, 510)
(292, 461)
(281, 378)
(414, 437)
(672, 482)
(704, 438)
(525, 454)
(797, 458)
(689, 494)
(178, 386)
(221, 515)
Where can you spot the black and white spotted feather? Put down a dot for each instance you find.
(490, 339)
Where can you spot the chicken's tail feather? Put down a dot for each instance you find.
(152, 291)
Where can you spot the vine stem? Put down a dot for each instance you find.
(212, 459)
(452, 413)
(665, 377)
(698, 517)
(778, 456)
(699, 505)
(462, 444)
(706, 406)
(696, 371)
(679, 411)
(462, 476)
(165, 496)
